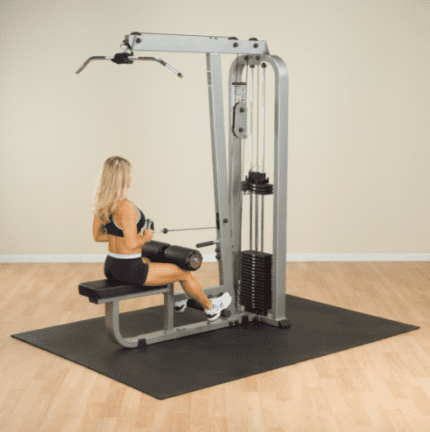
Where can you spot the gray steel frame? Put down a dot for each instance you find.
(231, 217)
(227, 188)
(167, 333)
(280, 183)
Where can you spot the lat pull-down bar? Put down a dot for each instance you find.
(124, 58)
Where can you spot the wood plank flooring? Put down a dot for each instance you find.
(383, 386)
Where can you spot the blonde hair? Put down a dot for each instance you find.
(112, 187)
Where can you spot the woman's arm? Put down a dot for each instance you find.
(97, 234)
(102, 238)
(145, 237)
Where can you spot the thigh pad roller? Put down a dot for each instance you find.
(185, 258)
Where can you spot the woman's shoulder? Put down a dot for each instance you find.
(126, 208)
(125, 203)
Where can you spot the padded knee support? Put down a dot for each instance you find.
(184, 258)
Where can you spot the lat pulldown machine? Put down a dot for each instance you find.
(255, 279)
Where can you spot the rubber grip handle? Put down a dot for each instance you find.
(149, 224)
(200, 245)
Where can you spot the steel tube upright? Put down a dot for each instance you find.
(278, 311)
(219, 158)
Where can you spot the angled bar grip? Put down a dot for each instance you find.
(124, 58)
(90, 60)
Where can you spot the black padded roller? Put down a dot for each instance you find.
(154, 250)
(185, 258)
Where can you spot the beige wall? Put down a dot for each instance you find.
(358, 127)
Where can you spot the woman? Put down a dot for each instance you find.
(119, 222)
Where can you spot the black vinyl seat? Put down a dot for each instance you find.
(105, 289)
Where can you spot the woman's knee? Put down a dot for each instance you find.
(184, 275)
(178, 272)
(161, 273)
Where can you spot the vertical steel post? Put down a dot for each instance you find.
(219, 158)
(237, 165)
(279, 307)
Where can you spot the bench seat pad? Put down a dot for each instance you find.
(103, 289)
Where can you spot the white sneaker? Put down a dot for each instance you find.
(180, 306)
(218, 305)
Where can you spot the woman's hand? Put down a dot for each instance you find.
(148, 233)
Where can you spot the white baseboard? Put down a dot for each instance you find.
(356, 257)
(8, 259)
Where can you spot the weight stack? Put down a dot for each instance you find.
(256, 281)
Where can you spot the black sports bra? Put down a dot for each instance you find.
(113, 229)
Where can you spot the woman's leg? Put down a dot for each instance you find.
(162, 274)
(194, 290)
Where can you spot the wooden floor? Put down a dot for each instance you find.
(382, 386)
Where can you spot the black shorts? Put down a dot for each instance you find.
(128, 270)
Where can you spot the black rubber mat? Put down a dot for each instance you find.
(196, 362)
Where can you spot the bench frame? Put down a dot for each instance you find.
(168, 332)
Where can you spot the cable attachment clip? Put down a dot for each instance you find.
(125, 45)
(122, 58)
